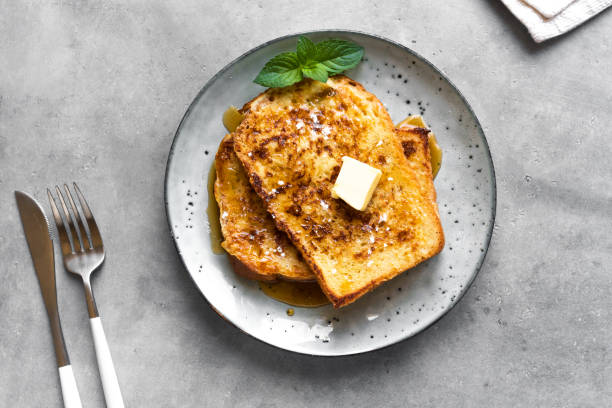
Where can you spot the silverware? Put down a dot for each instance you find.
(82, 255)
(36, 229)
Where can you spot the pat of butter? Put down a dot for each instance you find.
(356, 183)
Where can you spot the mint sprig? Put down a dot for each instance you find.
(317, 61)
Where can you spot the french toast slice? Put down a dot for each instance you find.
(291, 143)
(250, 236)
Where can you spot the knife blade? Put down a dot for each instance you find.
(36, 230)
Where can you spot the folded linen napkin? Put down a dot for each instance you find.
(546, 19)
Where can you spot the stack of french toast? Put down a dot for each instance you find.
(275, 179)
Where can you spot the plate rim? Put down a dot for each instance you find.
(489, 234)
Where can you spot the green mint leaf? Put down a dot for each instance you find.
(306, 50)
(317, 72)
(280, 71)
(338, 55)
(316, 61)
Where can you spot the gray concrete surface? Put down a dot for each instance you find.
(93, 92)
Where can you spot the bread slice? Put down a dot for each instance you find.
(257, 248)
(291, 142)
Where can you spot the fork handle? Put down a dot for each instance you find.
(110, 384)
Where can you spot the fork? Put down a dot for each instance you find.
(81, 258)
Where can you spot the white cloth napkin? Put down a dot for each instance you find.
(546, 19)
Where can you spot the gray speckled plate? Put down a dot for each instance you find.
(407, 84)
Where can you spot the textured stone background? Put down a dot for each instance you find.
(93, 91)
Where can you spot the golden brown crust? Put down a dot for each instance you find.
(246, 272)
(250, 237)
(291, 143)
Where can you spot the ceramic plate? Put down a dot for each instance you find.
(407, 84)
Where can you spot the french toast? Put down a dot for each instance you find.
(291, 143)
(257, 248)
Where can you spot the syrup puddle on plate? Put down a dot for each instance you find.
(232, 118)
(300, 294)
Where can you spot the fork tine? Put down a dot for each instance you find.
(73, 232)
(96, 238)
(61, 229)
(77, 215)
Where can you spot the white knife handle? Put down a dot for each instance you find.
(70, 392)
(110, 384)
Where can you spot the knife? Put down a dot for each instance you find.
(36, 229)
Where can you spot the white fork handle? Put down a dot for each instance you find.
(70, 392)
(110, 384)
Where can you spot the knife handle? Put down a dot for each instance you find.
(110, 384)
(70, 392)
